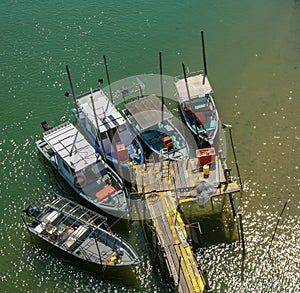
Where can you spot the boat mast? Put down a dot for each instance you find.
(72, 88)
(108, 79)
(97, 125)
(204, 57)
(189, 97)
(161, 87)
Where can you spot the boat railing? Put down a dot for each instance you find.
(87, 94)
(71, 209)
(188, 74)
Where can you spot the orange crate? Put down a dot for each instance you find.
(167, 142)
(105, 192)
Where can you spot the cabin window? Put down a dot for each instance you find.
(103, 135)
(66, 167)
(121, 128)
(94, 131)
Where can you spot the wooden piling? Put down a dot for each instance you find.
(232, 204)
(242, 231)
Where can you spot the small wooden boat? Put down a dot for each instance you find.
(79, 232)
(107, 130)
(155, 128)
(76, 161)
(197, 105)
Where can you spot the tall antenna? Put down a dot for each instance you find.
(161, 87)
(108, 79)
(204, 57)
(72, 88)
(97, 125)
(189, 96)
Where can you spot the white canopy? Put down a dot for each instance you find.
(147, 111)
(195, 86)
(71, 146)
(107, 115)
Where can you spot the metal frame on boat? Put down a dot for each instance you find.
(79, 232)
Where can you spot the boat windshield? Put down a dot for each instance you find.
(122, 128)
(94, 171)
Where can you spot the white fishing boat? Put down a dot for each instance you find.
(107, 130)
(155, 128)
(79, 232)
(82, 167)
(196, 102)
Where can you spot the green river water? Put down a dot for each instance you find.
(253, 58)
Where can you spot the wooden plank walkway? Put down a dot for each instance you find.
(172, 236)
(181, 177)
(164, 184)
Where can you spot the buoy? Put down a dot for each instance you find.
(80, 181)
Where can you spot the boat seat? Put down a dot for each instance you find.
(80, 231)
(105, 192)
(51, 217)
(40, 228)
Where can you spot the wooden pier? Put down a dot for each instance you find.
(164, 185)
(172, 236)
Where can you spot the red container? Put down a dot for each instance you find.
(122, 153)
(205, 156)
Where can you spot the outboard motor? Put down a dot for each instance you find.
(227, 175)
(227, 178)
(33, 212)
(46, 126)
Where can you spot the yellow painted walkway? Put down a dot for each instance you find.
(172, 236)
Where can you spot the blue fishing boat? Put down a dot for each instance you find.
(196, 102)
(107, 130)
(155, 128)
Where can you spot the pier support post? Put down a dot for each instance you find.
(232, 204)
(206, 286)
(242, 231)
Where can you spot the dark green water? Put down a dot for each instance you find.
(253, 52)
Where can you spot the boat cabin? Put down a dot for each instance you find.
(73, 155)
(108, 129)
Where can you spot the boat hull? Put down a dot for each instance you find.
(78, 232)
